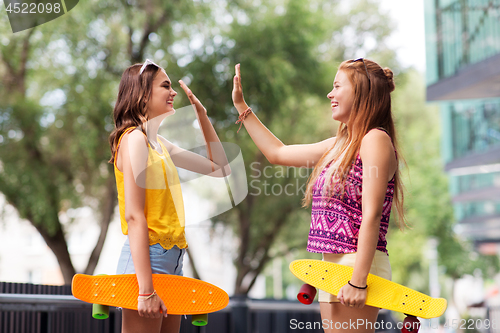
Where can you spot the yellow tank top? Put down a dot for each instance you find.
(163, 207)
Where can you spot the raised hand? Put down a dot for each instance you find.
(238, 99)
(193, 99)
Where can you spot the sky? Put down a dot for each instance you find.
(409, 38)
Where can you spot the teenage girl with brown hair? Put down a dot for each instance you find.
(149, 191)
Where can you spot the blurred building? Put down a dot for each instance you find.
(463, 75)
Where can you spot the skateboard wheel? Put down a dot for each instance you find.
(100, 311)
(199, 319)
(410, 325)
(306, 294)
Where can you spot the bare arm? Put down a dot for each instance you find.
(188, 160)
(379, 165)
(275, 151)
(216, 164)
(134, 153)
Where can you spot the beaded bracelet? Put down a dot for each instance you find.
(356, 286)
(145, 297)
(242, 117)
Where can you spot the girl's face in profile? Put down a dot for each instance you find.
(341, 97)
(162, 95)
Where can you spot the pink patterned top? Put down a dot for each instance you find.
(335, 222)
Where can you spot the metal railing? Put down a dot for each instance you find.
(42, 313)
(45, 313)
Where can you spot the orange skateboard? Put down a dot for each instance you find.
(181, 295)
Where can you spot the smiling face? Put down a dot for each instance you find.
(341, 97)
(162, 96)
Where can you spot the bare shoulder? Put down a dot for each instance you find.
(134, 138)
(376, 140)
(377, 151)
(133, 143)
(376, 147)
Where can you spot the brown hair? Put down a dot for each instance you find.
(130, 107)
(371, 109)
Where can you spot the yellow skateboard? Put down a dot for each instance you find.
(381, 293)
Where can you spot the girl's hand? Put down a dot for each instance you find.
(193, 99)
(352, 297)
(238, 100)
(152, 307)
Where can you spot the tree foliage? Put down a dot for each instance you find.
(288, 52)
(59, 83)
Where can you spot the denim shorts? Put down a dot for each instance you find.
(162, 261)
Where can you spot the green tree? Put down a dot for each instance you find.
(288, 52)
(54, 156)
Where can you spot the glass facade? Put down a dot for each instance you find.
(459, 33)
(466, 186)
(471, 126)
(475, 182)
(476, 209)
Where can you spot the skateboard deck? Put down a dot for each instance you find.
(381, 292)
(181, 295)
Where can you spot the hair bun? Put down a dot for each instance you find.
(390, 78)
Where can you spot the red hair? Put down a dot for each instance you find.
(371, 108)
